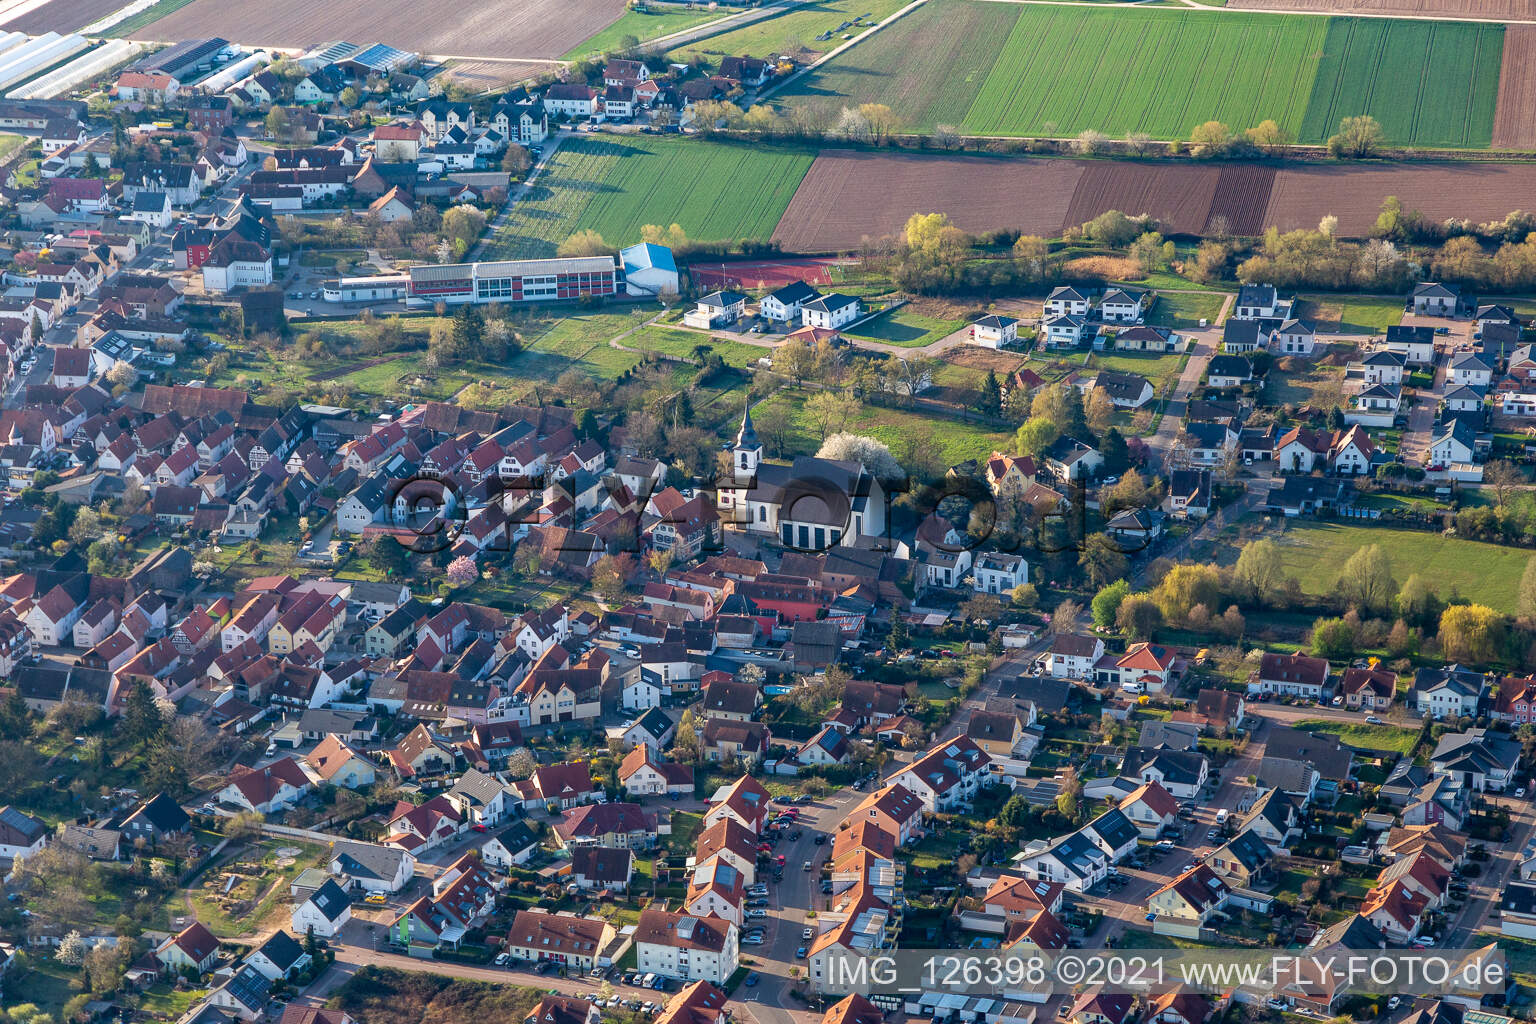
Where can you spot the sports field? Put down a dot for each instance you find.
(617, 186)
(1011, 70)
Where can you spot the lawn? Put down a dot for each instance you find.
(905, 327)
(1313, 552)
(1185, 309)
(642, 27)
(1351, 314)
(795, 30)
(1163, 70)
(1428, 83)
(1153, 365)
(1382, 738)
(715, 192)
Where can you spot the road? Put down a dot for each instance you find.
(516, 194)
(1207, 340)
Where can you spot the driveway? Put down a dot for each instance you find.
(1207, 340)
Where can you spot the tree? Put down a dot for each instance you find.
(830, 411)
(389, 556)
(1259, 568)
(71, 952)
(85, 528)
(1184, 587)
(516, 161)
(1106, 603)
(1035, 436)
(1090, 142)
(142, 718)
(464, 224)
(1359, 137)
(868, 452)
(610, 575)
(585, 243)
(1471, 632)
(1062, 405)
(1333, 638)
(1417, 601)
(1269, 136)
(1210, 139)
(881, 119)
(687, 744)
(1116, 453)
(462, 571)
(277, 123)
(1099, 409)
(1366, 580)
(1024, 596)
(1138, 616)
(1102, 560)
(1501, 474)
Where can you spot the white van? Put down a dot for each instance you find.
(1222, 816)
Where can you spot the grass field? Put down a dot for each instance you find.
(901, 430)
(905, 328)
(1053, 70)
(1385, 738)
(1485, 573)
(794, 31)
(616, 187)
(1440, 89)
(1357, 314)
(1185, 309)
(643, 26)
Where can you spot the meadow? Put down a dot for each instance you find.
(617, 186)
(1027, 70)
(1488, 574)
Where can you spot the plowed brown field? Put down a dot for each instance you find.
(479, 28)
(1242, 194)
(846, 196)
(62, 16)
(1480, 192)
(1494, 10)
(1178, 195)
(1514, 119)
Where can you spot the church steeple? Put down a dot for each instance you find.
(749, 450)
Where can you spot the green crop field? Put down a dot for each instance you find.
(1155, 71)
(617, 186)
(1059, 70)
(1313, 552)
(1429, 83)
